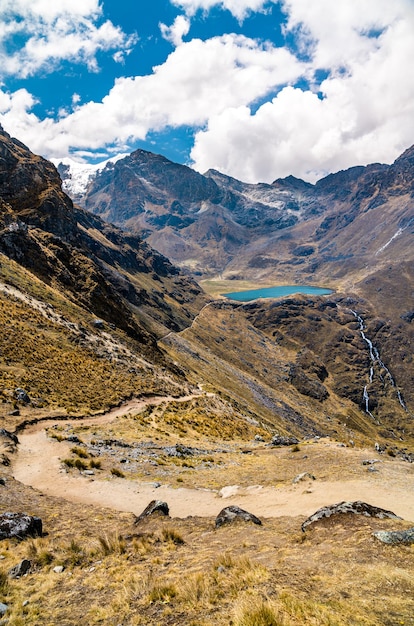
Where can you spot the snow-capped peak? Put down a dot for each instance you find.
(76, 176)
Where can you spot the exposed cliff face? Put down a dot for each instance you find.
(117, 277)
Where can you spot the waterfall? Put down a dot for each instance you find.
(374, 355)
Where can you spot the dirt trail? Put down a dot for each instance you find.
(37, 464)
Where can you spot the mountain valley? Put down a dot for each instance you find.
(122, 377)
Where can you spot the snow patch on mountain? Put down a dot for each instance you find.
(76, 176)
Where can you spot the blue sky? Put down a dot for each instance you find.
(257, 89)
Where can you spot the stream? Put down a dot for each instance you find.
(376, 361)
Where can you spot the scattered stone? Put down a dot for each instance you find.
(258, 438)
(370, 461)
(14, 413)
(232, 514)
(179, 451)
(357, 508)
(26, 602)
(99, 324)
(19, 525)
(281, 440)
(21, 395)
(73, 439)
(58, 569)
(3, 482)
(396, 537)
(303, 476)
(20, 569)
(3, 609)
(372, 469)
(155, 506)
(88, 473)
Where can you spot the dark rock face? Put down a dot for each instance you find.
(154, 507)
(396, 537)
(20, 569)
(347, 508)
(19, 526)
(231, 514)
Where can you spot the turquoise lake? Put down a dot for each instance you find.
(276, 292)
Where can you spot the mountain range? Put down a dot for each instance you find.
(300, 365)
(351, 222)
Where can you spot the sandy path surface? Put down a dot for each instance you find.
(37, 463)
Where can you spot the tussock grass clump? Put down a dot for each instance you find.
(4, 583)
(95, 464)
(80, 452)
(112, 544)
(39, 552)
(170, 534)
(257, 612)
(116, 472)
(162, 593)
(77, 463)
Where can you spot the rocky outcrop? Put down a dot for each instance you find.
(348, 508)
(19, 526)
(282, 440)
(154, 507)
(396, 537)
(232, 514)
(20, 569)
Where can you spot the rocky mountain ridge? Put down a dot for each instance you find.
(99, 266)
(213, 224)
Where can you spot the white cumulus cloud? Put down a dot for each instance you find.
(199, 79)
(340, 92)
(52, 32)
(364, 111)
(239, 8)
(176, 31)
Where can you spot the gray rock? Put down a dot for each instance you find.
(155, 506)
(73, 439)
(396, 537)
(179, 451)
(22, 395)
(370, 461)
(232, 514)
(281, 440)
(58, 569)
(303, 476)
(3, 608)
(258, 438)
(19, 525)
(346, 508)
(20, 569)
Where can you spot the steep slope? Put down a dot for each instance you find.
(116, 276)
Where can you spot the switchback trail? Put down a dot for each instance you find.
(37, 463)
